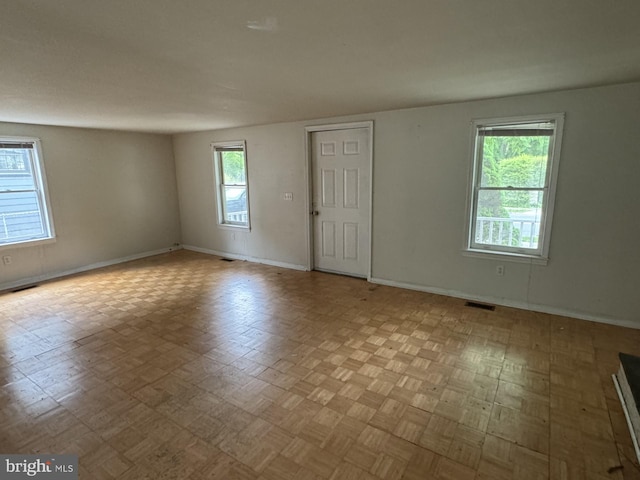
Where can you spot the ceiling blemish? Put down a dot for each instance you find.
(267, 24)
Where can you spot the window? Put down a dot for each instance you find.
(24, 211)
(233, 189)
(513, 186)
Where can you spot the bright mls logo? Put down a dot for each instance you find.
(50, 467)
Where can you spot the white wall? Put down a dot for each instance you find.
(275, 157)
(594, 260)
(421, 164)
(113, 197)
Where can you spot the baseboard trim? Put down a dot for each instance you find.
(505, 302)
(248, 258)
(23, 282)
(4, 287)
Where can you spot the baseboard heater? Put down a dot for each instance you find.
(627, 382)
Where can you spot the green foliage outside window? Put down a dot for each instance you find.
(233, 167)
(513, 161)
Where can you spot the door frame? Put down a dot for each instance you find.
(309, 130)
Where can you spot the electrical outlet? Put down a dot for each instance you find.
(7, 260)
(500, 270)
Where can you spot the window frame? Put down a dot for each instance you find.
(541, 253)
(216, 148)
(41, 191)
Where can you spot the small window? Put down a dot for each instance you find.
(24, 211)
(233, 188)
(513, 186)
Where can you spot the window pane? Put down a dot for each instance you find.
(509, 218)
(20, 217)
(514, 161)
(15, 169)
(233, 167)
(235, 205)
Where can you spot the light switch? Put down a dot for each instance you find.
(288, 195)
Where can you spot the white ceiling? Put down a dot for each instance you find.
(171, 66)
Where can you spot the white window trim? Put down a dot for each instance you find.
(514, 254)
(40, 178)
(222, 223)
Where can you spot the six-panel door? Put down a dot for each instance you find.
(341, 184)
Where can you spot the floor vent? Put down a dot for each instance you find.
(227, 259)
(22, 289)
(482, 306)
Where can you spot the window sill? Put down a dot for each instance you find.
(506, 256)
(230, 226)
(27, 243)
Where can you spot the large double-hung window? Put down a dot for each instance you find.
(24, 211)
(513, 186)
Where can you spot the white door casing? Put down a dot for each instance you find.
(340, 200)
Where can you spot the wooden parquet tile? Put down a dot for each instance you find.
(182, 366)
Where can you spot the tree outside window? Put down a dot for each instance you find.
(512, 188)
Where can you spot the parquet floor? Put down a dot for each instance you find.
(184, 366)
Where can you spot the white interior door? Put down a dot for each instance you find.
(341, 179)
